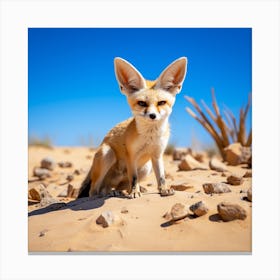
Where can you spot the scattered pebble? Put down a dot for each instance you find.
(43, 233)
(70, 178)
(249, 194)
(181, 187)
(65, 164)
(217, 165)
(248, 174)
(229, 212)
(199, 208)
(179, 153)
(178, 211)
(77, 172)
(106, 219)
(235, 180)
(48, 163)
(124, 210)
(38, 193)
(41, 173)
(189, 163)
(236, 154)
(64, 193)
(210, 188)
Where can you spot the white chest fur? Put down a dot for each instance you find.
(153, 138)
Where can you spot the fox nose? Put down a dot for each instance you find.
(152, 116)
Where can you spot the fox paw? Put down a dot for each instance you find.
(167, 192)
(135, 194)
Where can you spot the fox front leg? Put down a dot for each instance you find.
(134, 188)
(158, 167)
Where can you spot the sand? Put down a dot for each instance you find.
(73, 228)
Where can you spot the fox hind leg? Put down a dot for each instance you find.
(103, 160)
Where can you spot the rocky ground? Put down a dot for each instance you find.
(211, 210)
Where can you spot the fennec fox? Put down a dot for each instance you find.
(130, 150)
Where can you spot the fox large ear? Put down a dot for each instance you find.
(172, 78)
(129, 79)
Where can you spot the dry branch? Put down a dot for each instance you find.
(226, 130)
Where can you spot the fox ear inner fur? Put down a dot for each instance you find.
(172, 78)
(129, 78)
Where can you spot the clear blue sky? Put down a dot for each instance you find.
(73, 95)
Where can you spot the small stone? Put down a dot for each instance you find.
(63, 193)
(178, 211)
(43, 233)
(124, 210)
(199, 157)
(70, 189)
(106, 219)
(229, 212)
(48, 163)
(249, 194)
(70, 178)
(41, 173)
(236, 154)
(77, 172)
(65, 164)
(248, 174)
(217, 165)
(210, 188)
(181, 187)
(199, 208)
(38, 193)
(189, 163)
(179, 153)
(235, 180)
(224, 174)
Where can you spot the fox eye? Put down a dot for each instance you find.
(142, 103)
(160, 103)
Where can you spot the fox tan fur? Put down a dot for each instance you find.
(133, 147)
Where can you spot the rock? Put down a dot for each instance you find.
(210, 188)
(181, 187)
(70, 178)
(217, 165)
(248, 174)
(106, 219)
(235, 180)
(70, 189)
(229, 212)
(178, 211)
(48, 163)
(179, 153)
(189, 163)
(236, 154)
(124, 210)
(199, 208)
(38, 193)
(77, 172)
(199, 157)
(41, 173)
(65, 164)
(72, 192)
(249, 194)
(64, 193)
(47, 201)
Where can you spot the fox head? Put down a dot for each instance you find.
(150, 101)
